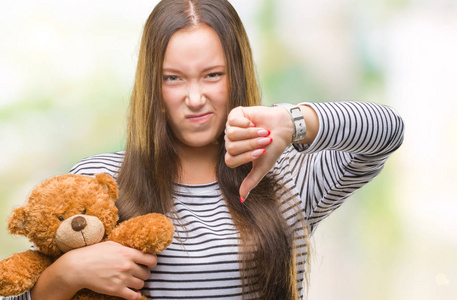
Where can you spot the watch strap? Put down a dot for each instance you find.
(297, 118)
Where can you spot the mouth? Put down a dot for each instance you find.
(199, 118)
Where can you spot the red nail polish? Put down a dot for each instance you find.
(241, 200)
(271, 140)
(269, 132)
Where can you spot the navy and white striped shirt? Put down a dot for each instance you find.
(353, 143)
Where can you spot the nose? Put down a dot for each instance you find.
(78, 223)
(195, 98)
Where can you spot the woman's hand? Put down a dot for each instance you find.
(258, 134)
(107, 268)
(261, 134)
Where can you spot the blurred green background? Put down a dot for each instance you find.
(66, 74)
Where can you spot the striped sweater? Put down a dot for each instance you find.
(353, 143)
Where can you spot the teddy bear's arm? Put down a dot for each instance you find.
(20, 271)
(150, 233)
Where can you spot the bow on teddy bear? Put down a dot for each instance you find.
(66, 212)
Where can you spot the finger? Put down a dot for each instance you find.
(142, 272)
(146, 259)
(237, 148)
(238, 160)
(237, 118)
(235, 133)
(252, 180)
(129, 294)
(135, 283)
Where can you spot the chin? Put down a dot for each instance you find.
(201, 144)
(200, 141)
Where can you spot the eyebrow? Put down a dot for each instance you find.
(204, 70)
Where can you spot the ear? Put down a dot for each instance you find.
(16, 222)
(108, 183)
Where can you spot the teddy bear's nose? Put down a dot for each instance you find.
(78, 223)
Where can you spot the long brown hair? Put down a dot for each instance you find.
(151, 163)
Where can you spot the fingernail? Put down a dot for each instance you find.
(263, 132)
(265, 141)
(258, 152)
(244, 199)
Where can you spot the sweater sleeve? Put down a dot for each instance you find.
(352, 145)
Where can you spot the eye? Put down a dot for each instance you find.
(83, 212)
(170, 78)
(214, 75)
(60, 218)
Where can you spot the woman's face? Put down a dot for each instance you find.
(194, 85)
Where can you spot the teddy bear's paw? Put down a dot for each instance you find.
(20, 272)
(150, 233)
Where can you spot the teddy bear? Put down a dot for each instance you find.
(69, 211)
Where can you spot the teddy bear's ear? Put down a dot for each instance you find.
(108, 183)
(16, 222)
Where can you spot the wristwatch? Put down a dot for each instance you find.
(297, 118)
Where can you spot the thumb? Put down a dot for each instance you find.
(237, 117)
(258, 171)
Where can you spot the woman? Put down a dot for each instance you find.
(244, 184)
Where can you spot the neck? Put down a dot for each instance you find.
(198, 164)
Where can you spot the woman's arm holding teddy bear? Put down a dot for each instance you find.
(106, 268)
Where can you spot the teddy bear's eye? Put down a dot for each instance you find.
(83, 212)
(60, 218)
